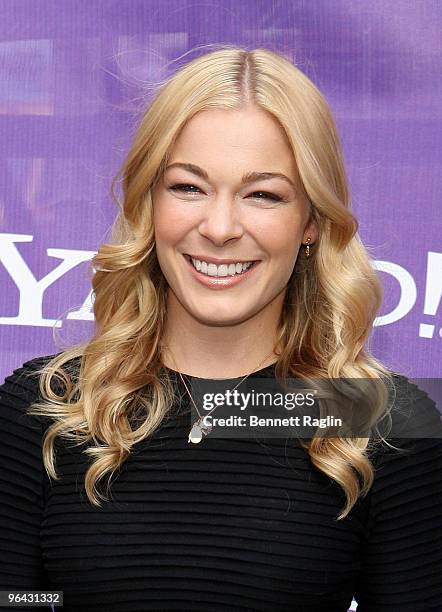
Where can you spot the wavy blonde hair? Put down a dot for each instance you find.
(121, 393)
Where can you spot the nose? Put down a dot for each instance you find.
(221, 221)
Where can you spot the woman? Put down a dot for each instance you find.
(235, 253)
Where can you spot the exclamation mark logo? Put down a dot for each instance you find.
(433, 292)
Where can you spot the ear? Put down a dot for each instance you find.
(311, 231)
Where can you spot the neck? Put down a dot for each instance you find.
(208, 351)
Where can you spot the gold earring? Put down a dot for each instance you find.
(307, 249)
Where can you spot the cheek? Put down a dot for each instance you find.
(171, 222)
(280, 236)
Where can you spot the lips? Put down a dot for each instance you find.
(220, 282)
(217, 261)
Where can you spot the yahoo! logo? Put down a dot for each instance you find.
(408, 293)
(32, 290)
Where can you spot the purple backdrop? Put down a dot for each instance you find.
(73, 75)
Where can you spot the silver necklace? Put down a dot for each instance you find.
(199, 429)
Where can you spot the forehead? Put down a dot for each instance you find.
(241, 140)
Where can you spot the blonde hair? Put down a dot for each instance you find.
(331, 300)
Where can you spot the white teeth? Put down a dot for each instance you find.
(212, 269)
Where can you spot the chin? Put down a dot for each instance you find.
(220, 318)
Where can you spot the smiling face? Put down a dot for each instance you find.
(227, 239)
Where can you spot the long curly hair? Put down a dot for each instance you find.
(121, 392)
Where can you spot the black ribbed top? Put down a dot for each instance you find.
(227, 524)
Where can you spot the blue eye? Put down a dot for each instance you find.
(267, 196)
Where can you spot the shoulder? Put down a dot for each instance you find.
(24, 378)
(412, 454)
(22, 471)
(414, 412)
(20, 389)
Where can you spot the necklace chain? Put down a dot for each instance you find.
(199, 429)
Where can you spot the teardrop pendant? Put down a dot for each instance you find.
(198, 431)
(195, 435)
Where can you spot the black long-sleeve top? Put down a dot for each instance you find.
(224, 525)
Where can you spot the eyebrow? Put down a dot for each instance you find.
(249, 177)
